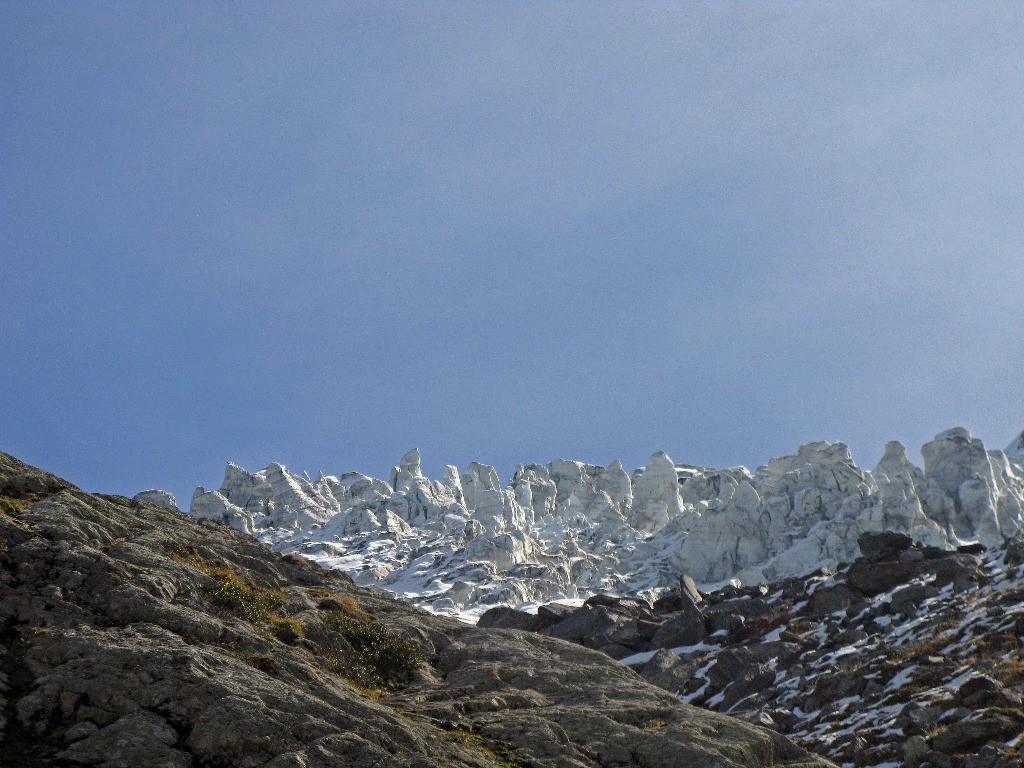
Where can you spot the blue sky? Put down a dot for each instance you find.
(322, 234)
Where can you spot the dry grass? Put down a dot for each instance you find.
(13, 508)
(925, 647)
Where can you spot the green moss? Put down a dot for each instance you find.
(498, 752)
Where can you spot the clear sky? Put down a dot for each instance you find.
(322, 234)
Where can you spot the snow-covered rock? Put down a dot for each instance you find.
(1015, 450)
(160, 498)
(567, 529)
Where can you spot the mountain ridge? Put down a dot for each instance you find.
(567, 529)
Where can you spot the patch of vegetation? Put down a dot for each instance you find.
(498, 752)
(925, 647)
(261, 661)
(286, 629)
(242, 598)
(236, 595)
(13, 508)
(302, 562)
(378, 657)
(1010, 672)
(342, 604)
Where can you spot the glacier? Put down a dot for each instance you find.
(565, 530)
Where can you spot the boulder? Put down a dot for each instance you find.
(753, 679)
(983, 691)
(592, 626)
(555, 611)
(503, 617)
(831, 599)
(667, 671)
(965, 735)
(750, 607)
(722, 620)
(729, 666)
(688, 589)
(683, 628)
(160, 498)
(906, 600)
(961, 570)
(1014, 554)
(871, 578)
(914, 749)
(883, 545)
(915, 719)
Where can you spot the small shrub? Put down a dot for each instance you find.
(261, 661)
(243, 599)
(286, 629)
(342, 604)
(927, 646)
(302, 562)
(12, 508)
(1010, 672)
(385, 657)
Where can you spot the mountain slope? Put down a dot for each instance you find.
(135, 636)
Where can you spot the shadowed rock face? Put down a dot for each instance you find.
(132, 636)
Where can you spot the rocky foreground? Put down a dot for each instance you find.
(911, 655)
(134, 636)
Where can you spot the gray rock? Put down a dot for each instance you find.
(683, 628)
(503, 617)
(831, 599)
(140, 738)
(914, 749)
(729, 666)
(906, 600)
(883, 545)
(592, 626)
(730, 622)
(665, 670)
(555, 611)
(967, 734)
(872, 578)
(914, 719)
(753, 679)
(961, 570)
(688, 589)
(1014, 554)
(749, 607)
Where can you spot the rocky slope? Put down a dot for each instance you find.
(134, 636)
(566, 530)
(911, 655)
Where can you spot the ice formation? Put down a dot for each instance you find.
(567, 529)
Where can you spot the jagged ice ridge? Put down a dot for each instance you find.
(567, 529)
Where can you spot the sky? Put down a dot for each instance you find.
(324, 233)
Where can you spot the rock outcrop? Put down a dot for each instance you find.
(132, 636)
